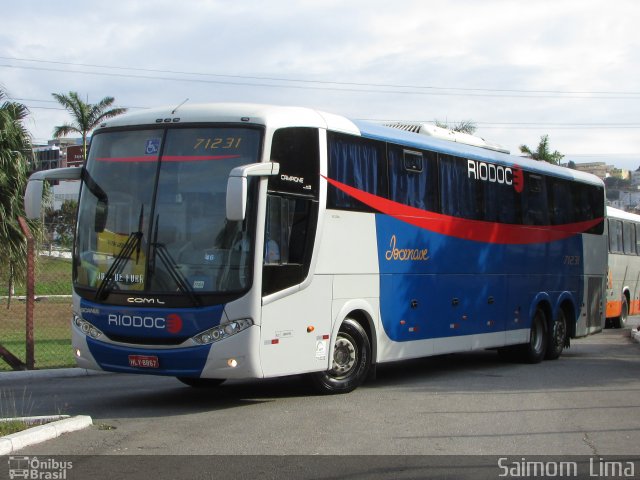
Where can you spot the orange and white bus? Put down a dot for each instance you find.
(623, 297)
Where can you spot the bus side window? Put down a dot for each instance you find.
(629, 238)
(292, 208)
(413, 178)
(535, 207)
(460, 195)
(359, 163)
(288, 241)
(615, 236)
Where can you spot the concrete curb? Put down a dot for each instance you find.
(41, 433)
(50, 373)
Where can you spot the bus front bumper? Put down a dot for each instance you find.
(229, 358)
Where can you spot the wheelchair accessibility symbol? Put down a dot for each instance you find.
(152, 147)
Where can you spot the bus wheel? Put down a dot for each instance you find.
(351, 361)
(557, 337)
(621, 321)
(201, 382)
(535, 350)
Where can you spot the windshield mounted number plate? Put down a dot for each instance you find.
(144, 361)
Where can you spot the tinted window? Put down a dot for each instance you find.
(413, 178)
(629, 238)
(615, 236)
(296, 150)
(535, 207)
(359, 163)
(561, 209)
(460, 196)
(292, 209)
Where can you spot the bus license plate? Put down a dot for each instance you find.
(144, 361)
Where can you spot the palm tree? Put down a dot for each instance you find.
(15, 156)
(86, 116)
(543, 153)
(465, 126)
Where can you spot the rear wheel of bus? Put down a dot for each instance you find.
(621, 321)
(536, 349)
(557, 336)
(350, 363)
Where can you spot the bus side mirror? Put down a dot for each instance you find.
(33, 198)
(237, 186)
(35, 186)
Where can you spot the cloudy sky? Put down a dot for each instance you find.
(519, 69)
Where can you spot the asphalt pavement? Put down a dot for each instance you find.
(40, 433)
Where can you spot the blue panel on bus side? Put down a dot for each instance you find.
(150, 325)
(176, 362)
(433, 285)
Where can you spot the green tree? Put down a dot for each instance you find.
(86, 116)
(61, 223)
(15, 157)
(465, 126)
(542, 153)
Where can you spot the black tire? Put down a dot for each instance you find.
(351, 361)
(535, 350)
(621, 321)
(201, 382)
(557, 337)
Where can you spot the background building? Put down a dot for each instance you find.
(58, 153)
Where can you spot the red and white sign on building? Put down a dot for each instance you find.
(74, 156)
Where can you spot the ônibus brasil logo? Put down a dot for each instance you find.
(489, 172)
(172, 323)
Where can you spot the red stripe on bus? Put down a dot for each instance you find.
(475, 230)
(167, 158)
(127, 159)
(201, 158)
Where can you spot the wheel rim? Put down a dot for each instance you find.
(625, 312)
(559, 331)
(345, 354)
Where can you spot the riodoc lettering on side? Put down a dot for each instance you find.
(488, 172)
(405, 254)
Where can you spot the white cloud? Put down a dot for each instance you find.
(555, 45)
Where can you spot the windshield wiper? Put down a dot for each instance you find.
(133, 243)
(160, 250)
(176, 275)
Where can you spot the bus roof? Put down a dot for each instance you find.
(281, 116)
(416, 140)
(622, 215)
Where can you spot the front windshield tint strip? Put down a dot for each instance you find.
(128, 160)
(167, 158)
(168, 189)
(176, 158)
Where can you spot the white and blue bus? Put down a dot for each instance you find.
(623, 283)
(247, 241)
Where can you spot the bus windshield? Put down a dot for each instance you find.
(152, 212)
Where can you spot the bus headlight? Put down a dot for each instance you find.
(85, 327)
(221, 332)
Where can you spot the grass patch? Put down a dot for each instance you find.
(52, 316)
(12, 407)
(12, 426)
(53, 277)
(52, 332)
